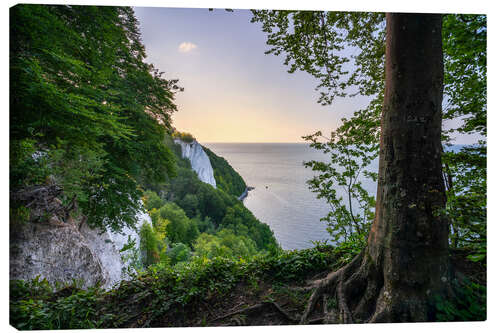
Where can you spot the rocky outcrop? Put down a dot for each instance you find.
(65, 252)
(200, 162)
(107, 247)
(106, 252)
(57, 252)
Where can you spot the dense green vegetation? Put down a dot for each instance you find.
(86, 112)
(89, 115)
(162, 297)
(193, 220)
(198, 293)
(464, 46)
(226, 178)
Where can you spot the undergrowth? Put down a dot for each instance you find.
(162, 294)
(189, 294)
(469, 303)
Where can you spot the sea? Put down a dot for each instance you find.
(281, 197)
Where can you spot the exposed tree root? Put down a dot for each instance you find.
(360, 294)
(345, 313)
(369, 298)
(290, 317)
(356, 289)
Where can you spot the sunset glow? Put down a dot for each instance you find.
(233, 91)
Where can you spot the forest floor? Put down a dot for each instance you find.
(256, 303)
(259, 303)
(266, 291)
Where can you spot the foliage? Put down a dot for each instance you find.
(242, 222)
(236, 234)
(226, 178)
(171, 220)
(204, 225)
(347, 170)
(151, 244)
(468, 303)
(464, 48)
(24, 169)
(224, 244)
(178, 253)
(151, 200)
(315, 42)
(183, 136)
(164, 295)
(158, 292)
(83, 97)
(296, 265)
(196, 206)
(212, 222)
(33, 306)
(190, 205)
(131, 255)
(210, 202)
(466, 204)
(80, 98)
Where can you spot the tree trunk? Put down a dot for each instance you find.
(405, 262)
(409, 239)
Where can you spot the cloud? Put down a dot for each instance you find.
(185, 47)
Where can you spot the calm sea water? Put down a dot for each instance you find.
(281, 197)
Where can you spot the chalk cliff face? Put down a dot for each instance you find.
(63, 252)
(200, 162)
(107, 246)
(57, 252)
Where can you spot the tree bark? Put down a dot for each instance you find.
(408, 240)
(405, 262)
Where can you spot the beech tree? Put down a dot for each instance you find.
(405, 263)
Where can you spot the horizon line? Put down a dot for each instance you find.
(274, 142)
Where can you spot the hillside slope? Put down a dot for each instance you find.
(226, 177)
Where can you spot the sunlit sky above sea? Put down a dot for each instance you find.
(233, 91)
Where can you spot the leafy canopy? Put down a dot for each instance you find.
(82, 95)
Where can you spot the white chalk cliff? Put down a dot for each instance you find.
(64, 252)
(107, 248)
(200, 162)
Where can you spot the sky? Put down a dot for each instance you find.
(233, 91)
